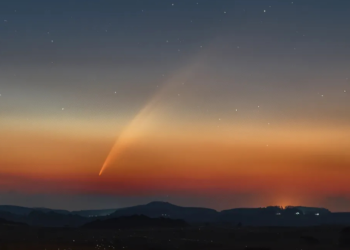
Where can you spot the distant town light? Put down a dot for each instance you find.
(278, 213)
(317, 214)
(297, 213)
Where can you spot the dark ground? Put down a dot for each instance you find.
(23, 237)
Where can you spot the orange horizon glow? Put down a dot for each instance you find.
(230, 161)
(167, 148)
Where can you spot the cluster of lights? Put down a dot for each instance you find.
(298, 213)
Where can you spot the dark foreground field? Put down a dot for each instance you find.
(23, 237)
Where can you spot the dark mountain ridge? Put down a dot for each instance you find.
(18, 210)
(265, 216)
(168, 210)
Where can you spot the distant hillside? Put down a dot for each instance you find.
(94, 213)
(167, 210)
(15, 209)
(26, 210)
(266, 216)
(312, 210)
(53, 219)
(11, 223)
(48, 210)
(23, 211)
(289, 216)
(49, 219)
(136, 221)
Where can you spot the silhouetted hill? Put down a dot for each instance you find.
(94, 213)
(167, 210)
(289, 216)
(312, 210)
(4, 222)
(53, 219)
(48, 210)
(267, 216)
(11, 217)
(26, 210)
(136, 221)
(15, 209)
(49, 219)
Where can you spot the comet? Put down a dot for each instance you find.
(130, 134)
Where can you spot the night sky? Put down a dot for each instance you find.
(215, 103)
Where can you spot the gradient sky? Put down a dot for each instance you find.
(225, 103)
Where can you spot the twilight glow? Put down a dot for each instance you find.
(200, 103)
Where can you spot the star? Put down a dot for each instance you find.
(236, 110)
(264, 10)
(52, 41)
(344, 91)
(62, 109)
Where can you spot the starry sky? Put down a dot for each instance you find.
(225, 103)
